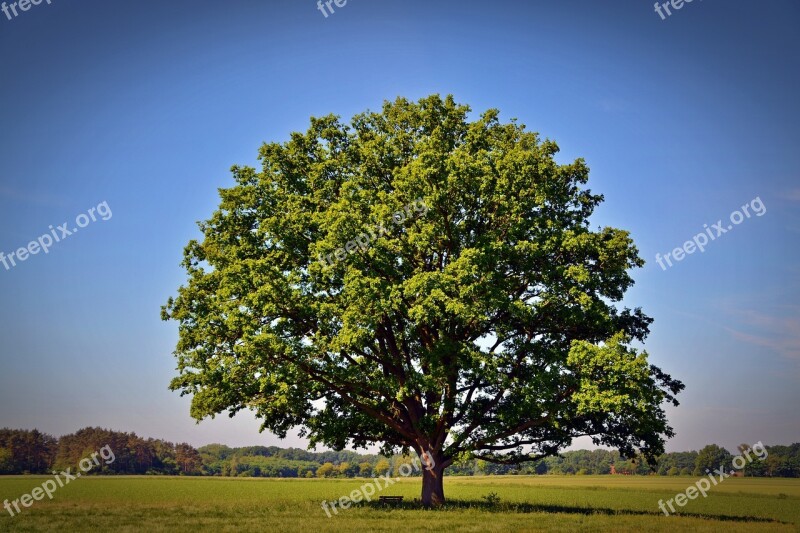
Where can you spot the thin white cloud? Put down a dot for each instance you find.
(792, 195)
(779, 333)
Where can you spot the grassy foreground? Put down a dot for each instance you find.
(527, 503)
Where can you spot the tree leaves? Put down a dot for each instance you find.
(475, 327)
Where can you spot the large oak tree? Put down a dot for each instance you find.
(485, 324)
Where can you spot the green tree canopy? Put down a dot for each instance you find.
(326, 470)
(422, 282)
(382, 467)
(26, 451)
(6, 461)
(710, 458)
(364, 469)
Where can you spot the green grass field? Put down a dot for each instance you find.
(551, 503)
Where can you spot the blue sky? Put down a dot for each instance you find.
(145, 105)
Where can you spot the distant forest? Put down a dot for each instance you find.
(33, 452)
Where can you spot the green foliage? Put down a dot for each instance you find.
(782, 461)
(676, 461)
(491, 499)
(188, 460)
(25, 451)
(474, 326)
(326, 470)
(382, 467)
(6, 461)
(348, 470)
(158, 457)
(132, 454)
(365, 469)
(711, 458)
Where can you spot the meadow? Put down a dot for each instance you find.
(526, 503)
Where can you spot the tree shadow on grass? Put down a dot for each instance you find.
(451, 505)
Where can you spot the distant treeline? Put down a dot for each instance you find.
(33, 452)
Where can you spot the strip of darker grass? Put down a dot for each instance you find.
(453, 505)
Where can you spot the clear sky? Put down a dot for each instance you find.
(145, 105)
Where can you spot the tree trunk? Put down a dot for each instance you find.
(433, 486)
